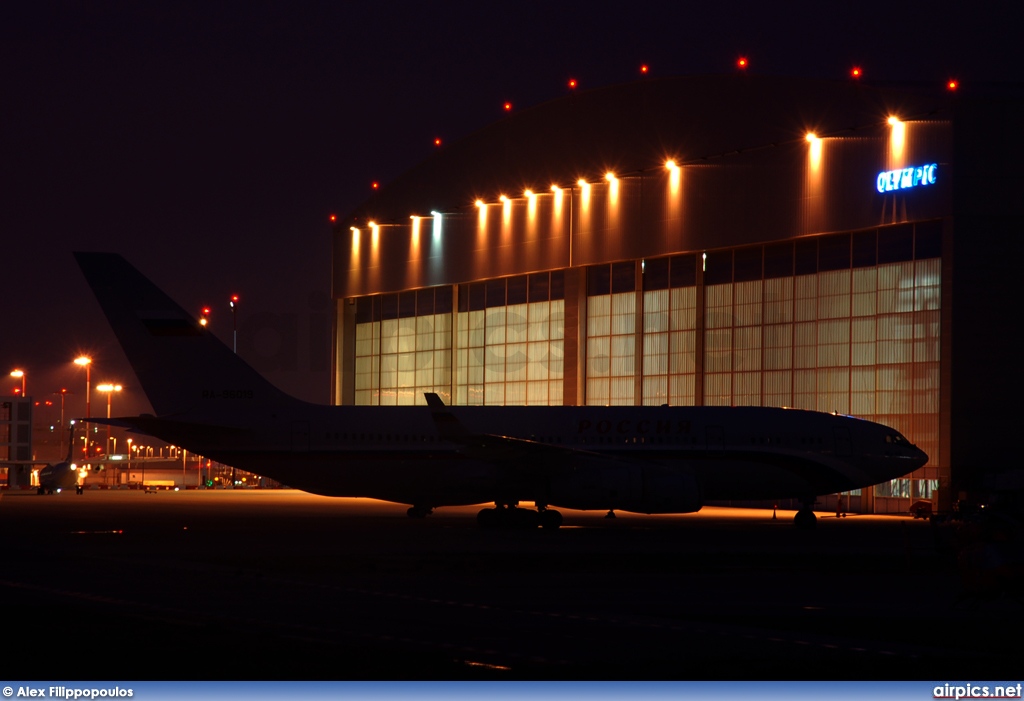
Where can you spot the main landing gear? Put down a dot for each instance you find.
(805, 519)
(510, 516)
(419, 511)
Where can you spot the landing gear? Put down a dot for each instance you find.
(419, 511)
(805, 519)
(509, 516)
(78, 489)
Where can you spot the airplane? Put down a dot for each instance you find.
(55, 477)
(643, 459)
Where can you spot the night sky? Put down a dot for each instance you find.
(210, 142)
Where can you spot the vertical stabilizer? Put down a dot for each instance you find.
(182, 367)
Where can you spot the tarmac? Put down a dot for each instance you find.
(279, 584)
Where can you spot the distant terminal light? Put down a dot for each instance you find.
(742, 62)
(856, 72)
(671, 164)
(952, 84)
(610, 177)
(527, 193)
(572, 83)
(503, 198)
(555, 189)
(811, 137)
(479, 203)
(893, 121)
(581, 182)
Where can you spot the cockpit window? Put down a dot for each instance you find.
(896, 438)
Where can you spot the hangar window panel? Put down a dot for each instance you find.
(834, 294)
(718, 350)
(928, 239)
(805, 298)
(927, 284)
(778, 261)
(805, 389)
(655, 390)
(865, 249)
(834, 343)
(748, 264)
(834, 390)
(778, 388)
(718, 389)
(683, 271)
(778, 347)
(718, 268)
(655, 274)
(747, 389)
(778, 300)
(747, 348)
(682, 390)
(681, 357)
(896, 243)
(805, 344)
(834, 252)
(747, 304)
(896, 288)
(718, 306)
(611, 342)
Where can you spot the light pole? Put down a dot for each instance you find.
(63, 393)
(20, 374)
(129, 473)
(86, 362)
(109, 389)
(234, 323)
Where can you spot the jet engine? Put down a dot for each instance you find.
(647, 489)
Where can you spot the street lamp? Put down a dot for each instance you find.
(20, 374)
(86, 362)
(109, 389)
(234, 323)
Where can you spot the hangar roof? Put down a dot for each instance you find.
(637, 126)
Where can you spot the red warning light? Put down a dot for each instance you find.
(572, 83)
(643, 68)
(508, 106)
(206, 311)
(742, 62)
(437, 141)
(375, 185)
(856, 72)
(952, 85)
(334, 218)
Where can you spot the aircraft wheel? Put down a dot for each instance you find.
(805, 519)
(78, 489)
(523, 519)
(488, 518)
(40, 491)
(419, 511)
(550, 519)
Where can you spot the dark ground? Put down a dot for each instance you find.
(285, 585)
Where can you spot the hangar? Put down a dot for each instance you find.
(718, 240)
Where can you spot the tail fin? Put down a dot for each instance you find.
(181, 366)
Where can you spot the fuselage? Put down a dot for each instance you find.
(578, 457)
